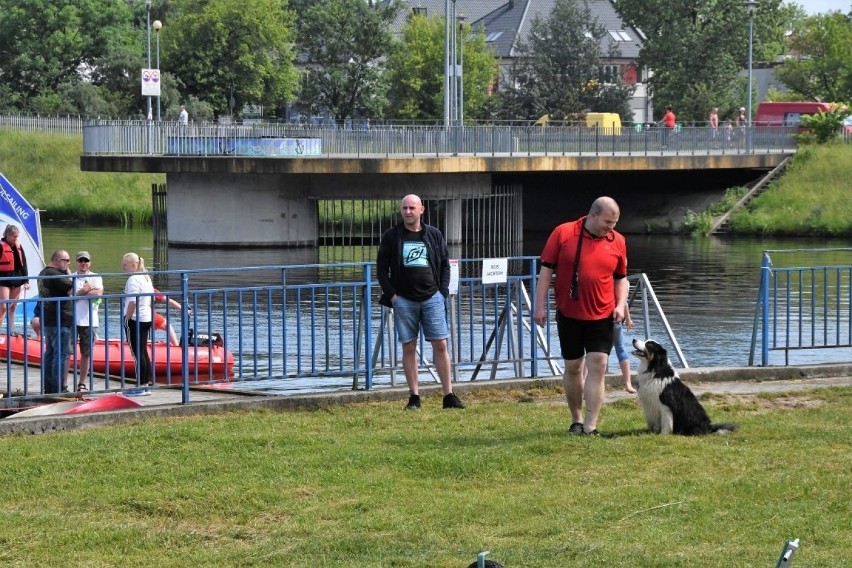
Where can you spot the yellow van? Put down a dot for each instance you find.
(610, 122)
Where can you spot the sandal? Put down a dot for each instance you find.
(82, 387)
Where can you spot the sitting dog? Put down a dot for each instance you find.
(669, 406)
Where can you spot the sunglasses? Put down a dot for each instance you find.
(83, 260)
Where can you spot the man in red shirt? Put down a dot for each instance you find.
(590, 261)
(669, 122)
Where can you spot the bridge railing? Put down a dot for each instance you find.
(806, 307)
(296, 329)
(141, 138)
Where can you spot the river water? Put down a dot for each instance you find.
(707, 287)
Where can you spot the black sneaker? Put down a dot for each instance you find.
(576, 428)
(413, 402)
(452, 401)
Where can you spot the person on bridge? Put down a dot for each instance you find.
(668, 121)
(590, 261)
(414, 272)
(714, 127)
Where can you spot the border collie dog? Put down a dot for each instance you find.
(669, 406)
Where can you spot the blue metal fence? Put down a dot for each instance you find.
(802, 307)
(318, 323)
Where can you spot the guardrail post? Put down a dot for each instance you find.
(368, 327)
(765, 271)
(184, 337)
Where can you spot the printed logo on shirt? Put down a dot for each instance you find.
(414, 254)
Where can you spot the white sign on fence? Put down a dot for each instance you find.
(454, 276)
(495, 270)
(150, 82)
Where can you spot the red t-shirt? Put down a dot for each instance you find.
(669, 119)
(601, 260)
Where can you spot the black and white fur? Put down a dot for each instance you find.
(669, 406)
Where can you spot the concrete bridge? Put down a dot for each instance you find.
(259, 185)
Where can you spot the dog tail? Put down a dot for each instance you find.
(724, 428)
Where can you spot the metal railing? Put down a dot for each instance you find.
(140, 138)
(67, 125)
(802, 307)
(316, 323)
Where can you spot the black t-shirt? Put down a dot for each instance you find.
(416, 280)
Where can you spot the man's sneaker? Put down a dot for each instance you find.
(413, 402)
(576, 428)
(452, 401)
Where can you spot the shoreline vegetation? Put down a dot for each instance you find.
(810, 199)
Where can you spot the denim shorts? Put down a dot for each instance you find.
(431, 314)
(618, 342)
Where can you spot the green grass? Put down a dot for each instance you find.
(372, 485)
(811, 198)
(46, 168)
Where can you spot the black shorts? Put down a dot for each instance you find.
(578, 337)
(11, 283)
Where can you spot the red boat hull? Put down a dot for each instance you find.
(114, 357)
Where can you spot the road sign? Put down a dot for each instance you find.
(150, 82)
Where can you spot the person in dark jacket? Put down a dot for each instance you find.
(414, 274)
(13, 265)
(57, 320)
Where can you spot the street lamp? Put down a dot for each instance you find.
(460, 73)
(449, 60)
(158, 25)
(751, 6)
(148, 31)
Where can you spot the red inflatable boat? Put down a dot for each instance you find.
(114, 357)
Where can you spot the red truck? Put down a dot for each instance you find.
(787, 114)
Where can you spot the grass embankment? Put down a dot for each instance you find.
(370, 485)
(813, 197)
(46, 169)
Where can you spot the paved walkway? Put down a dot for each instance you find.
(167, 401)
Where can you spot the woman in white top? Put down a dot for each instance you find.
(137, 314)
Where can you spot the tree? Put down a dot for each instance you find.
(48, 43)
(416, 71)
(220, 49)
(696, 48)
(558, 70)
(821, 67)
(344, 43)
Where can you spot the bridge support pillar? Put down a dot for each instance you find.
(453, 231)
(239, 210)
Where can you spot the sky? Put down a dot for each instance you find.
(820, 6)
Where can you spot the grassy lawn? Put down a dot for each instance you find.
(371, 485)
(46, 169)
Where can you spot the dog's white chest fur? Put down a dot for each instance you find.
(658, 416)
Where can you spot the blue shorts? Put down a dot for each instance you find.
(431, 314)
(618, 342)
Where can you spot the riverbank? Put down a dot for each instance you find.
(810, 199)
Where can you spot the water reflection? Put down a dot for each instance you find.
(707, 286)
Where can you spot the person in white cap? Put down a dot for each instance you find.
(90, 287)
